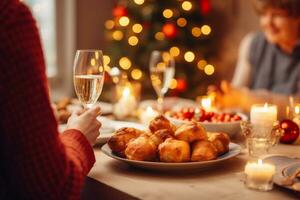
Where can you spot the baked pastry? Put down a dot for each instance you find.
(172, 150)
(160, 122)
(203, 151)
(141, 148)
(121, 137)
(191, 132)
(220, 141)
(161, 135)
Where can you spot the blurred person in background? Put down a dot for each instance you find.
(268, 67)
(36, 161)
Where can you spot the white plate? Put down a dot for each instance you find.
(109, 127)
(231, 128)
(234, 150)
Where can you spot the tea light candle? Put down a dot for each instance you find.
(207, 103)
(147, 115)
(125, 105)
(263, 114)
(259, 175)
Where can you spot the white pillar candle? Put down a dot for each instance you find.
(259, 175)
(263, 114)
(126, 105)
(147, 115)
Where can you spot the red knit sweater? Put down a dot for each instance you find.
(35, 161)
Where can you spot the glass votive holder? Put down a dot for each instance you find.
(259, 175)
(257, 146)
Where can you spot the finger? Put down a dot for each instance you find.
(76, 112)
(94, 111)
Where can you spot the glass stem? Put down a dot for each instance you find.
(160, 104)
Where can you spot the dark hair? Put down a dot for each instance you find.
(291, 6)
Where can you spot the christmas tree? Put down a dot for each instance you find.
(181, 27)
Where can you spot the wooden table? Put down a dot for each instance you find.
(112, 179)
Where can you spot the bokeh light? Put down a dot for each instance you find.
(196, 31)
(109, 24)
(139, 2)
(201, 64)
(133, 40)
(159, 36)
(174, 51)
(167, 13)
(186, 5)
(125, 63)
(173, 84)
(205, 29)
(136, 74)
(117, 35)
(124, 21)
(137, 28)
(209, 69)
(181, 22)
(189, 56)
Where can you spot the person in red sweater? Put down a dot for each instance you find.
(36, 162)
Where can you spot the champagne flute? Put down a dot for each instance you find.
(162, 70)
(88, 76)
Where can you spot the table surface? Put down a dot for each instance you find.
(223, 181)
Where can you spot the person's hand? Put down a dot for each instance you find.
(86, 122)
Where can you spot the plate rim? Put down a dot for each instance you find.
(236, 150)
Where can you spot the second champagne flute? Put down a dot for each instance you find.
(88, 76)
(162, 70)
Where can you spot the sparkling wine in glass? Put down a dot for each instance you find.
(162, 70)
(88, 76)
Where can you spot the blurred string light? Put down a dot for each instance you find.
(106, 59)
(181, 22)
(109, 24)
(133, 40)
(186, 5)
(137, 28)
(174, 51)
(136, 74)
(201, 64)
(117, 35)
(196, 31)
(168, 13)
(173, 84)
(189, 56)
(139, 2)
(159, 36)
(124, 21)
(125, 63)
(205, 29)
(209, 69)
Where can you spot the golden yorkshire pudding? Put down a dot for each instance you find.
(121, 137)
(160, 122)
(220, 141)
(203, 151)
(190, 132)
(161, 135)
(172, 150)
(141, 148)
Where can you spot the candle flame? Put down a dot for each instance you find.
(149, 109)
(260, 161)
(126, 92)
(297, 110)
(206, 103)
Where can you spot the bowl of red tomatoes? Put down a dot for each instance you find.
(212, 121)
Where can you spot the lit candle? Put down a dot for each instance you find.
(263, 114)
(126, 105)
(147, 115)
(259, 175)
(296, 114)
(207, 103)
